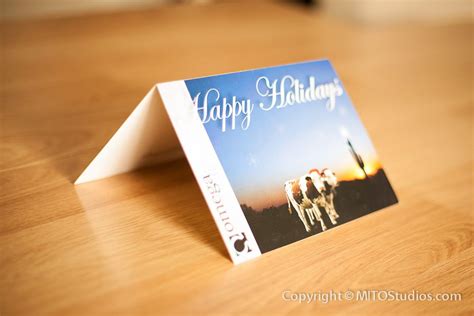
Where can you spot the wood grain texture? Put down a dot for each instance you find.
(145, 243)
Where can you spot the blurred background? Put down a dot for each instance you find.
(364, 10)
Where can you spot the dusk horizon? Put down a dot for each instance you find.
(278, 198)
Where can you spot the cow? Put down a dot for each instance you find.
(325, 182)
(302, 194)
(312, 194)
(330, 183)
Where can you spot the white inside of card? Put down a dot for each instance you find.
(145, 138)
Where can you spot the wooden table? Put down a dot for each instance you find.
(135, 244)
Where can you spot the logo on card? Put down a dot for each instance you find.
(239, 241)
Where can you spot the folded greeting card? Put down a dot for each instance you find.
(279, 153)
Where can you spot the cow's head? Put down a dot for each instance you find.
(329, 176)
(316, 178)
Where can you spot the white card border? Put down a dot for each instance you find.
(204, 161)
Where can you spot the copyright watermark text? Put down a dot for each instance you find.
(325, 297)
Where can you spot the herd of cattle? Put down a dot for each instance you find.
(309, 193)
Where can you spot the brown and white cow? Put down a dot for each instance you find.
(305, 198)
(311, 192)
(327, 183)
(330, 183)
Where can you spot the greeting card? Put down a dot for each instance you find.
(279, 153)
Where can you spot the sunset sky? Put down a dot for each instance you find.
(283, 144)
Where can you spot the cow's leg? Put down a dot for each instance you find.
(317, 212)
(289, 196)
(327, 207)
(329, 199)
(331, 202)
(320, 218)
(321, 203)
(333, 211)
(318, 215)
(310, 216)
(296, 206)
(300, 212)
(332, 218)
(306, 202)
(330, 213)
(289, 205)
